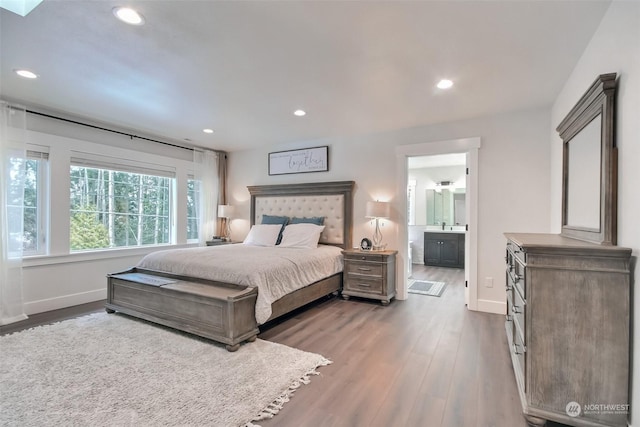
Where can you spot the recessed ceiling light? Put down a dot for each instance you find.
(444, 84)
(207, 130)
(26, 74)
(299, 113)
(128, 15)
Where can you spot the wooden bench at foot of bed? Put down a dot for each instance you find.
(219, 311)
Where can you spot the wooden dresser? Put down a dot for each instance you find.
(369, 274)
(568, 319)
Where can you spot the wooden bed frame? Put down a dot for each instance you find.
(225, 312)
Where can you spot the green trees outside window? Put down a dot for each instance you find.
(193, 196)
(25, 203)
(112, 208)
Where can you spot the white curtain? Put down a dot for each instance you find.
(206, 172)
(12, 170)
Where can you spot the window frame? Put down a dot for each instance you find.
(118, 165)
(40, 154)
(197, 192)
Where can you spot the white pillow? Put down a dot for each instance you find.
(263, 235)
(301, 236)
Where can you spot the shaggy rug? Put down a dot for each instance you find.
(109, 369)
(426, 287)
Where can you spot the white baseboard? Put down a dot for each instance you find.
(64, 301)
(488, 306)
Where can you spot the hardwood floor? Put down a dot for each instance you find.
(53, 316)
(426, 361)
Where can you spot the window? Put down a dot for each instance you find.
(118, 208)
(193, 196)
(33, 198)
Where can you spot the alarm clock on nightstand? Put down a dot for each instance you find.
(365, 244)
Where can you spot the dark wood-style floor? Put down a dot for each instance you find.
(426, 361)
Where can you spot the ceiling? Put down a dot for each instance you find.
(243, 67)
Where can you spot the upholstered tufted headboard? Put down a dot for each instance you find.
(331, 200)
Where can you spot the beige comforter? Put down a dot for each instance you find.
(275, 271)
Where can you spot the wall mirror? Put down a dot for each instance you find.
(445, 206)
(589, 165)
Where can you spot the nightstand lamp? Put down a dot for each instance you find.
(378, 210)
(226, 211)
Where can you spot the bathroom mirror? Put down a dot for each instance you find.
(446, 206)
(589, 172)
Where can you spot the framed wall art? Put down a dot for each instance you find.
(305, 160)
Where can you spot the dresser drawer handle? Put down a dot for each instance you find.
(363, 285)
(515, 277)
(509, 318)
(515, 349)
(363, 269)
(516, 309)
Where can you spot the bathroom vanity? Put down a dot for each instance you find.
(444, 248)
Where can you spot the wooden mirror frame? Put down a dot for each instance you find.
(599, 99)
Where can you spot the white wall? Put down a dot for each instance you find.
(615, 47)
(513, 180)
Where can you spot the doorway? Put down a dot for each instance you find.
(436, 196)
(468, 147)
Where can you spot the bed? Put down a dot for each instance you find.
(224, 304)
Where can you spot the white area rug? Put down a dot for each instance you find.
(109, 369)
(426, 287)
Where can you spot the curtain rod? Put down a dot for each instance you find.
(116, 131)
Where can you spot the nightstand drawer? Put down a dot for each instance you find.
(360, 283)
(364, 268)
(364, 256)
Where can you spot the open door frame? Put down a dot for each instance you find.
(470, 146)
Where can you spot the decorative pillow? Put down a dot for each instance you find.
(274, 219)
(318, 220)
(263, 235)
(303, 235)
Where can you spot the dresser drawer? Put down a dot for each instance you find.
(518, 311)
(517, 252)
(516, 278)
(361, 283)
(364, 268)
(519, 350)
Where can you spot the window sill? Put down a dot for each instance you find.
(40, 260)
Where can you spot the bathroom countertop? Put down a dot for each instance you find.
(446, 230)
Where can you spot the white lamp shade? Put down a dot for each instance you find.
(225, 211)
(378, 210)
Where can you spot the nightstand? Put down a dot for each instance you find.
(369, 274)
(219, 242)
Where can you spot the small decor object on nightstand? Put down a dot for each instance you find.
(225, 211)
(378, 210)
(365, 244)
(369, 275)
